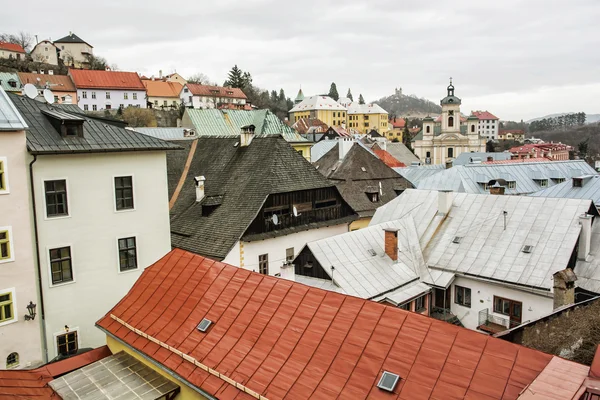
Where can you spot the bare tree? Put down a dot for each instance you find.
(200, 79)
(23, 39)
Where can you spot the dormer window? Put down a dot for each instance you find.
(68, 125)
(542, 182)
(12, 83)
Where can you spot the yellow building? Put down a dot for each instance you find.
(363, 118)
(175, 77)
(396, 129)
(320, 107)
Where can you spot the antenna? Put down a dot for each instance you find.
(30, 91)
(275, 219)
(48, 96)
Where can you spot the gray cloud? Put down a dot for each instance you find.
(516, 58)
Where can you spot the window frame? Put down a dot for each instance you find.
(4, 182)
(72, 257)
(63, 333)
(14, 364)
(137, 259)
(424, 307)
(133, 194)
(52, 217)
(265, 261)
(11, 246)
(13, 301)
(464, 289)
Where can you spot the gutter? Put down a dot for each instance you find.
(37, 258)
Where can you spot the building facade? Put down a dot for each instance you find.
(45, 52)
(162, 94)
(74, 51)
(437, 144)
(488, 126)
(11, 51)
(198, 96)
(106, 90)
(323, 108)
(363, 118)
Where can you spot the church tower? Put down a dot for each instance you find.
(450, 112)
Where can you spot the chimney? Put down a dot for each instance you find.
(288, 271)
(247, 135)
(50, 72)
(564, 288)
(497, 189)
(391, 243)
(445, 198)
(160, 74)
(199, 187)
(448, 164)
(345, 144)
(585, 237)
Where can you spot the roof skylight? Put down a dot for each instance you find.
(204, 324)
(388, 381)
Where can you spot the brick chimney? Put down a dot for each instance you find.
(585, 237)
(391, 242)
(564, 288)
(497, 189)
(199, 187)
(247, 135)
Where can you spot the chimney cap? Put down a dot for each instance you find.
(199, 179)
(394, 230)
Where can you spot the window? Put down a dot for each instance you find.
(472, 128)
(60, 265)
(86, 107)
(127, 254)
(165, 103)
(125, 96)
(420, 304)
(512, 184)
(289, 255)
(5, 247)
(108, 106)
(84, 94)
(374, 197)
(135, 96)
(427, 129)
(3, 180)
(67, 344)
(509, 307)
(12, 360)
(6, 307)
(93, 95)
(263, 264)
(542, 182)
(108, 95)
(428, 154)
(462, 296)
(56, 198)
(450, 152)
(94, 107)
(450, 121)
(124, 192)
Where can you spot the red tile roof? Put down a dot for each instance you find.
(282, 339)
(484, 115)
(58, 83)
(303, 125)
(388, 159)
(28, 384)
(90, 79)
(398, 122)
(11, 47)
(206, 90)
(162, 89)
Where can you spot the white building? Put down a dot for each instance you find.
(45, 52)
(20, 345)
(488, 125)
(106, 90)
(11, 51)
(74, 51)
(101, 211)
(205, 96)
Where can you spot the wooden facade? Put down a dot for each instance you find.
(306, 264)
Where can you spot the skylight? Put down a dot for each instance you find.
(204, 324)
(457, 239)
(372, 252)
(388, 381)
(527, 249)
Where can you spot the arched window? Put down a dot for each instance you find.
(12, 360)
(472, 128)
(450, 121)
(427, 130)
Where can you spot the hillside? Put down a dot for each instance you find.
(575, 136)
(590, 118)
(401, 105)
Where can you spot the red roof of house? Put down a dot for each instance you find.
(282, 339)
(398, 122)
(28, 384)
(162, 89)
(91, 79)
(304, 124)
(58, 83)
(207, 90)
(388, 159)
(11, 47)
(513, 131)
(484, 115)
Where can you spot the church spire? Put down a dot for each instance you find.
(451, 88)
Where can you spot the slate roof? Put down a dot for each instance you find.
(243, 177)
(281, 339)
(228, 123)
(215, 91)
(98, 136)
(72, 38)
(10, 118)
(119, 80)
(318, 103)
(5, 77)
(58, 83)
(467, 158)
(590, 189)
(353, 183)
(470, 178)
(415, 173)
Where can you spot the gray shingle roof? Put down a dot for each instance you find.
(71, 38)
(43, 138)
(10, 119)
(241, 178)
(590, 190)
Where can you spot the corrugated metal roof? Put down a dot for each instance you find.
(318, 283)
(529, 177)
(465, 158)
(6, 77)
(414, 174)
(590, 190)
(10, 118)
(165, 133)
(321, 148)
(405, 293)
(211, 122)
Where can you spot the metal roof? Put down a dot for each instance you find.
(405, 293)
(401, 153)
(318, 283)
(5, 77)
(118, 376)
(590, 190)
(318, 103)
(588, 271)
(414, 174)
(356, 108)
(165, 133)
(466, 158)
(529, 177)
(211, 122)
(10, 118)
(321, 148)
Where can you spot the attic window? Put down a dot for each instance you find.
(512, 184)
(388, 381)
(204, 324)
(374, 197)
(558, 180)
(457, 239)
(527, 249)
(542, 182)
(12, 83)
(578, 182)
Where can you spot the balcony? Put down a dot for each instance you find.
(491, 323)
(444, 314)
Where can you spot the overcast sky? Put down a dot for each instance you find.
(517, 59)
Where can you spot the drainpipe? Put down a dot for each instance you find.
(37, 258)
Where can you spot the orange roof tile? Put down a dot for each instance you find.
(11, 47)
(282, 339)
(398, 122)
(388, 159)
(58, 83)
(162, 89)
(207, 90)
(484, 115)
(90, 79)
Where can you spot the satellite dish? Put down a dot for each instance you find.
(48, 96)
(275, 219)
(295, 211)
(30, 91)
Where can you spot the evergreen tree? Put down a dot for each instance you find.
(361, 100)
(236, 78)
(349, 95)
(274, 97)
(489, 146)
(281, 95)
(333, 93)
(406, 138)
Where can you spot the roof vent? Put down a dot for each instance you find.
(363, 169)
(527, 249)
(204, 324)
(388, 381)
(372, 252)
(457, 239)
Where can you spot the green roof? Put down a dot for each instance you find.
(5, 77)
(300, 96)
(213, 122)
